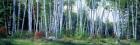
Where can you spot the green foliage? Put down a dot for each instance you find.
(1, 22)
(100, 41)
(5, 10)
(71, 1)
(5, 42)
(22, 35)
(2, 35)
(89, 3)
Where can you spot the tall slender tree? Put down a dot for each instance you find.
(14, 17)
(30, 4)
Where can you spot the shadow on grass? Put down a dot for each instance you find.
(6, 42)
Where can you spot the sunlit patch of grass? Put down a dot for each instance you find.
(22, 42)
(53, 43)
(104, 41)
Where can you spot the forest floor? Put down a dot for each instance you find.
(102, 41)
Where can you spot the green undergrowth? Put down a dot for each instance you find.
(68, 41)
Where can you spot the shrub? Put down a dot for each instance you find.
(38, 35)
(22, 35)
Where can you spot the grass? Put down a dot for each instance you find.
(22, 42)
(102, 41)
